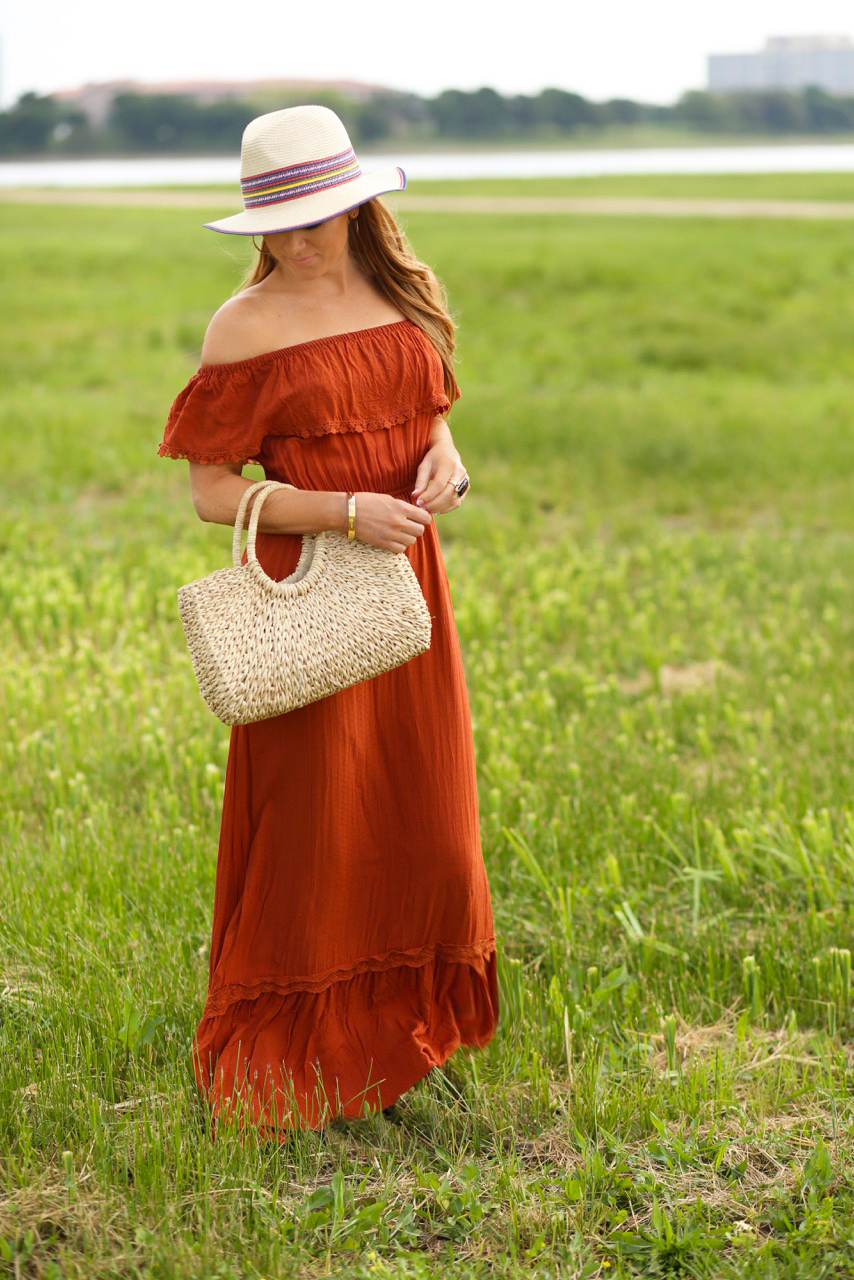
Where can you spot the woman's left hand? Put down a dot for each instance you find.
(440, 464)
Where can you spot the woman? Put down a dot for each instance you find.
(353, 945)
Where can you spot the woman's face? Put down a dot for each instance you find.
(310, 251)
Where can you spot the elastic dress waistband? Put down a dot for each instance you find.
(404, 491)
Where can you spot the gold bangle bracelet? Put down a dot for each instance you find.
(351, 516)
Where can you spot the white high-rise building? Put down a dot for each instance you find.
(787, 62)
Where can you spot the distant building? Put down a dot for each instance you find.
(95, 100)
(787, 62)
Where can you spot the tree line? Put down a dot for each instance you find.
(162, 123)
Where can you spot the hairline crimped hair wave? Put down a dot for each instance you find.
(385, 255)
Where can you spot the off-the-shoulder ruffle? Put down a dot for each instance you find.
(438, 406)
(229, 368)
(365, 380)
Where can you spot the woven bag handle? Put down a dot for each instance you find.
(240, 517)
(266, 490)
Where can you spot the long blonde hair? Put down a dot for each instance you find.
(383, 252)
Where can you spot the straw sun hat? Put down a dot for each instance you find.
(298, 167)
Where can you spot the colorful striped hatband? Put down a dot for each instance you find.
(297, 180)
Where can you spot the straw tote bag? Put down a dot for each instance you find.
(348, 612)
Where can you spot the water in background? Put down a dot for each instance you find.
(212, 170)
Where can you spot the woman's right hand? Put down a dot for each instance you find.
(390, 523)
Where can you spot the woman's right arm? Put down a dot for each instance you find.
(384, 521)
(216, 492)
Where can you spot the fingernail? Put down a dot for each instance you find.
(416, 490)
(419, 502)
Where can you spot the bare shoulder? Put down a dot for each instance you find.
(237, 331)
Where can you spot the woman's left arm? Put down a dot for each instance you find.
(440, 464)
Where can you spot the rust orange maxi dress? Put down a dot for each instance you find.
(353, 944)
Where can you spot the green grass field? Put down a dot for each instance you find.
(652, 582)
(713, 186)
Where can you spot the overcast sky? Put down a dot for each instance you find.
(649, 51)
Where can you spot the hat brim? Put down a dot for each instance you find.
(290, 215)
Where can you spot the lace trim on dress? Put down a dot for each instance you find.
(199, 455)
(344, 425)
(465, 953)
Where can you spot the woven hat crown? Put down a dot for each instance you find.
(292, 136)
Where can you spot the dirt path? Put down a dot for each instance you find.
(617, 205)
